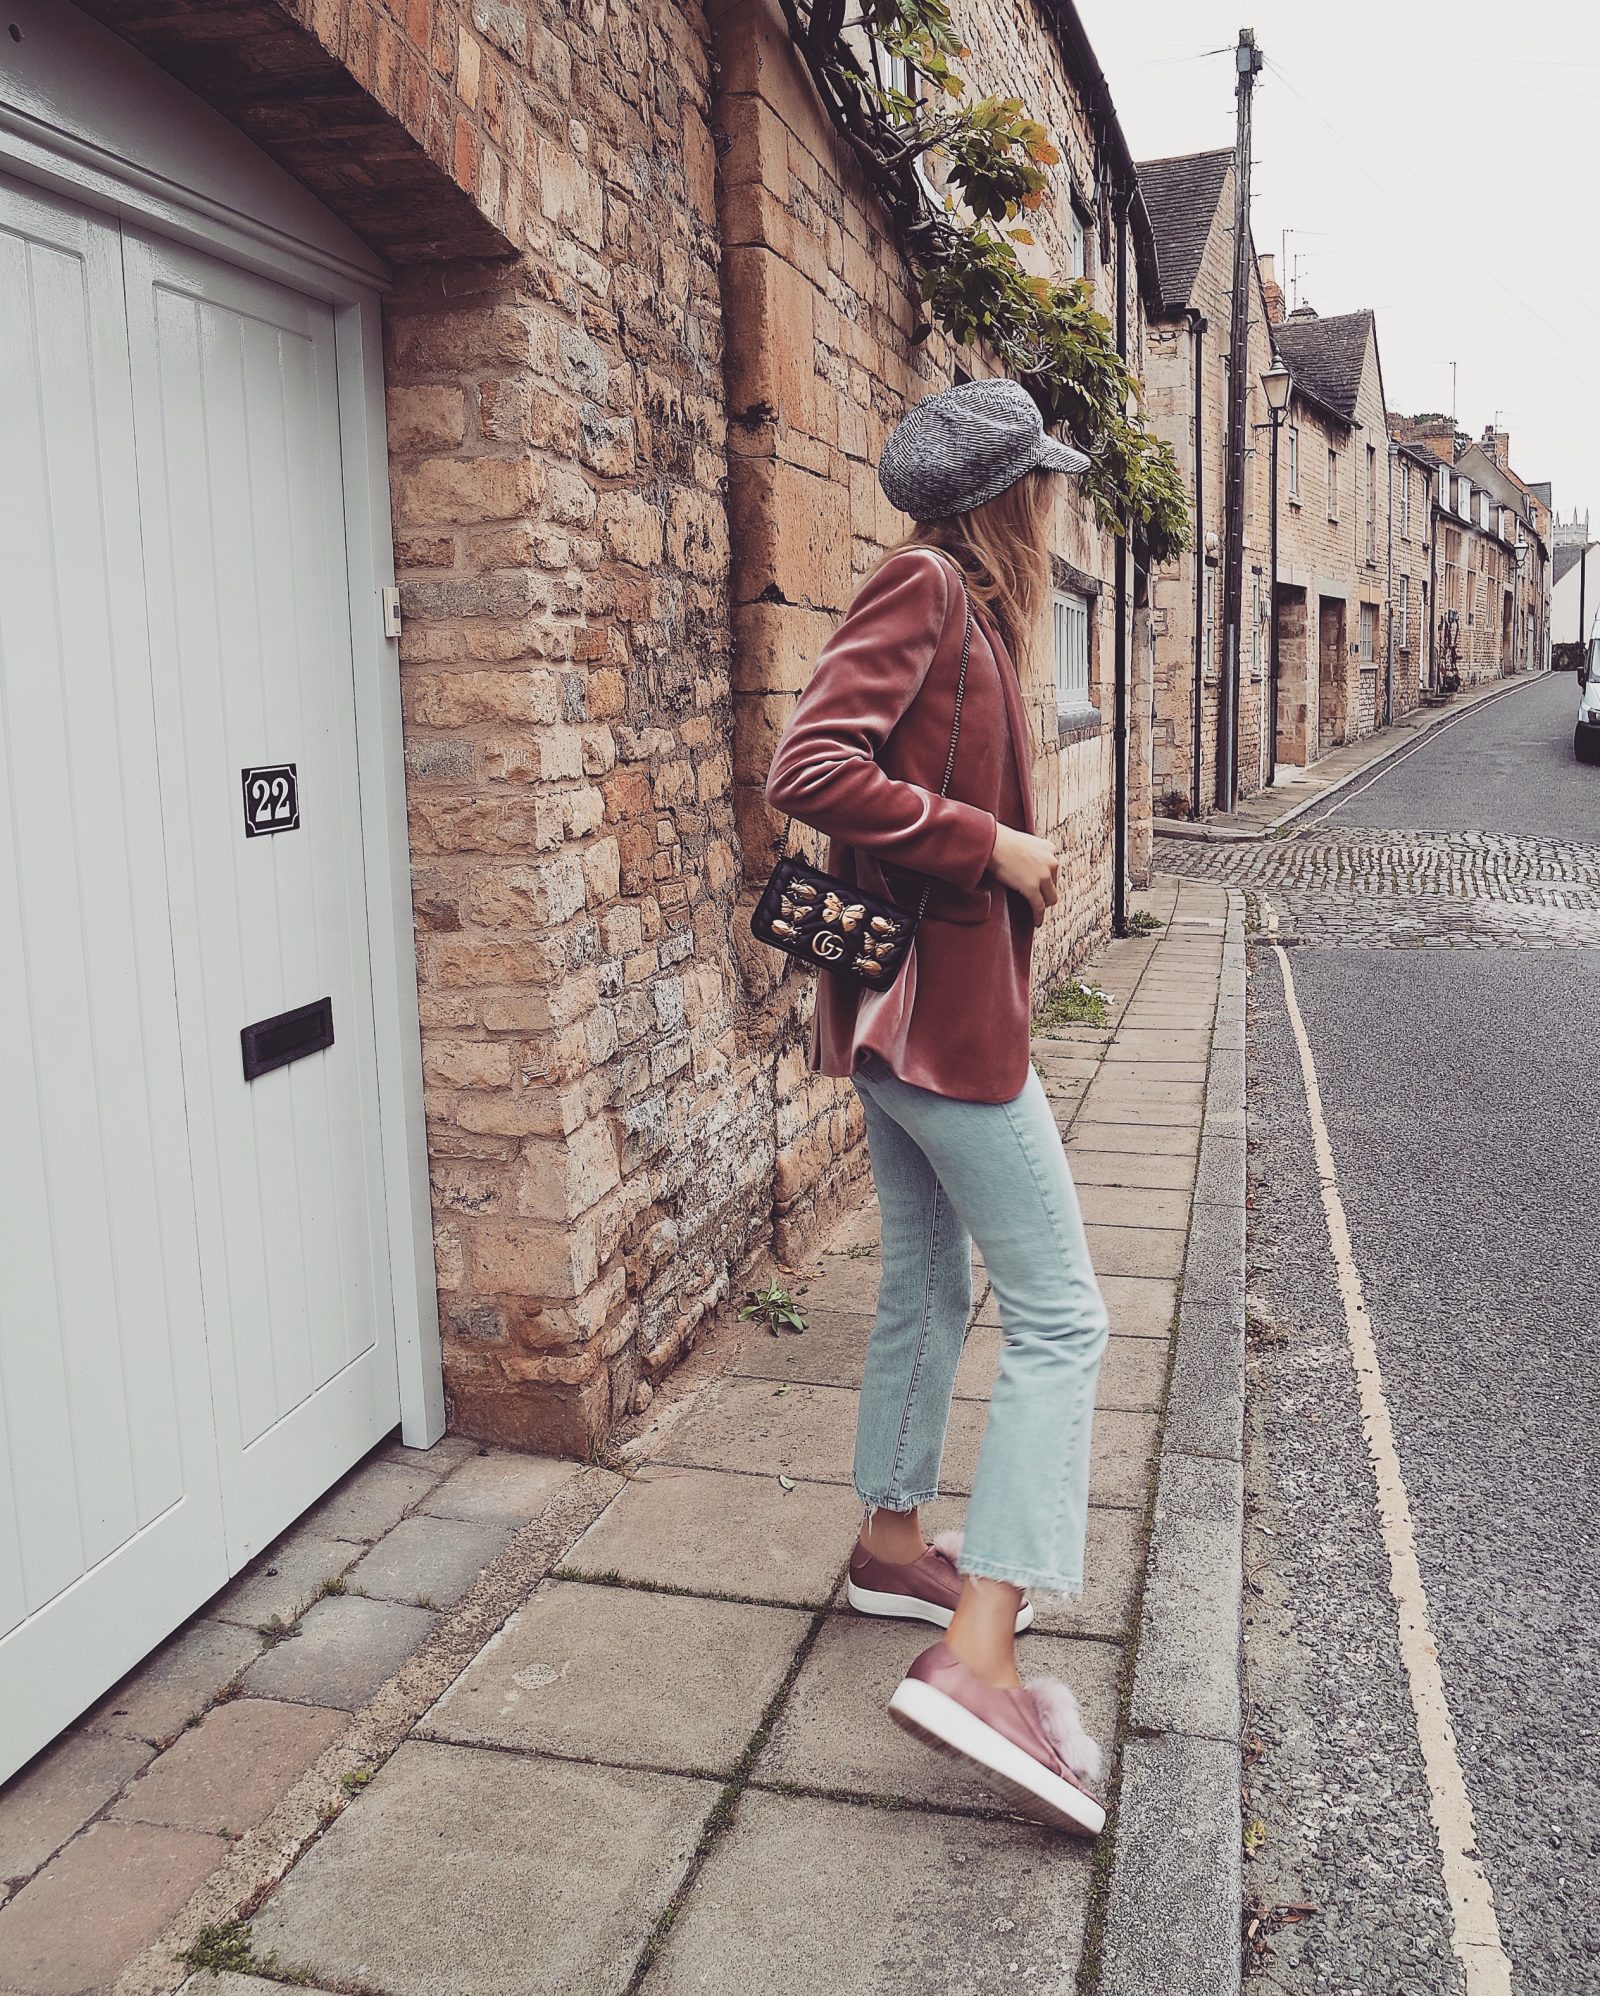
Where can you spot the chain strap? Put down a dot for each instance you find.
(955, 730)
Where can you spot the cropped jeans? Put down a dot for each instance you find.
(948, 1173)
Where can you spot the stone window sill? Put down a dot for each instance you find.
(1077, 724)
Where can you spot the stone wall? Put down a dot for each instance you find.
(820, 367)
(610, 594)
(1170, 386)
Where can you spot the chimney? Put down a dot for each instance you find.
(1498, 444)
(1271, 289)
(1303, 312)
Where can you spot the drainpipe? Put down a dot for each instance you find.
(1119, 730)
(1388, 649)
(1197, 349)
(1433, 590)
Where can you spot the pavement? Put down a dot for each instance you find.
(1442, 930)
(485, 1722)
(1298, 792)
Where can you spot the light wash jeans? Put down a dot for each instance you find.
(949, 1173)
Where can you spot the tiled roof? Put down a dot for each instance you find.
(1327, 356)
(1182, 195)
(1565, 559)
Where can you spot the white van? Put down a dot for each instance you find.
(1586, 735)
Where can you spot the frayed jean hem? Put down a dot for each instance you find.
(1036, 1579)
(894, 1501)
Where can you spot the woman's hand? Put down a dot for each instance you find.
(1029, 865)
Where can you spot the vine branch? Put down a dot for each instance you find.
(962, 249)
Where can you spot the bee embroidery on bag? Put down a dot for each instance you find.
(868, 966)
(882, 926)
(782, 928)
(876, 947)
(846, 913)
(794, 907)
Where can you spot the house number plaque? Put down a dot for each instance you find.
(271, 800)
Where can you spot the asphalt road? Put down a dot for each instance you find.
(1462, 1091)
(1506, 768)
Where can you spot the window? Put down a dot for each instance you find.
(1294, 460)
(1464, 497)
(1333, 484)
(1403, 615)
(1372, 502)
(1369, 625)
(1072, 650)
(1405, 502)
(1077, 262)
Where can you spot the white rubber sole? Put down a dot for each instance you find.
(1027, 1786)
(911, 1608)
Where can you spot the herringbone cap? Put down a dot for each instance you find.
(962, 447)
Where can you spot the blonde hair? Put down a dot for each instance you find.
(1001, 548)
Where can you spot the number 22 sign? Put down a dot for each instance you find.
(271, 800)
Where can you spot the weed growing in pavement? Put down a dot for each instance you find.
(226, 1946)
(1142, 923)
(1074, 1004)
(777, 1306)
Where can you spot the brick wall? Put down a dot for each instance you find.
(610, 594)
(819, 369)
(1169, 374)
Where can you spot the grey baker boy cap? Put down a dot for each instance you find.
(965, 445)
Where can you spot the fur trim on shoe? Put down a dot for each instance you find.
(950, 1544)
(1063, 1723)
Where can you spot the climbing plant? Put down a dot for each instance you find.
(888, 74)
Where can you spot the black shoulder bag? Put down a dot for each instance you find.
(828, 923)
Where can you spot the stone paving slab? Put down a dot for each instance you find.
(581, 1670)
(461, 1872)
(830, 1351)
(345, 1649)
(370, 1501)
(59, 1792)
(225, 1774)
(283, 1582)
(428, 1561)
(1134, 1206)
(1148, 1139)
(1135, 1250)
(106, 1896)
(159, 1698)
(832, 1736)
(1131, 1169)
(719, 1533)
(874, 1902)
(494, 1487)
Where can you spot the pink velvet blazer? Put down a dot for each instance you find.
(861, 760)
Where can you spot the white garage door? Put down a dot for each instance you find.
(196, 1332)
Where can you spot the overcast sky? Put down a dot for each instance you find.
(1435, 162)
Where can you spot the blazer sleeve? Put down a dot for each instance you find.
(825, 771)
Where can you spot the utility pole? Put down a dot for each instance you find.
(1247, 62)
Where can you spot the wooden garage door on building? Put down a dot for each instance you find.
(197, 1332)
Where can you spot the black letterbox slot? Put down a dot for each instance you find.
(271, 1043)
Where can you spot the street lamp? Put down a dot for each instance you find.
(1277, 383)
(1520, 555)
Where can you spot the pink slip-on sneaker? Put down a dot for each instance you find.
(1029, 1740)
(920, 1590)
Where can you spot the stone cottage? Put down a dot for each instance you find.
(486, 401)
(1191, 202)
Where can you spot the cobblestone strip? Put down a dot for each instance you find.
(1418, 890)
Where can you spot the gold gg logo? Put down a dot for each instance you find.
(826, 945)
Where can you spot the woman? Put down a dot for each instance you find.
(962, 1142)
